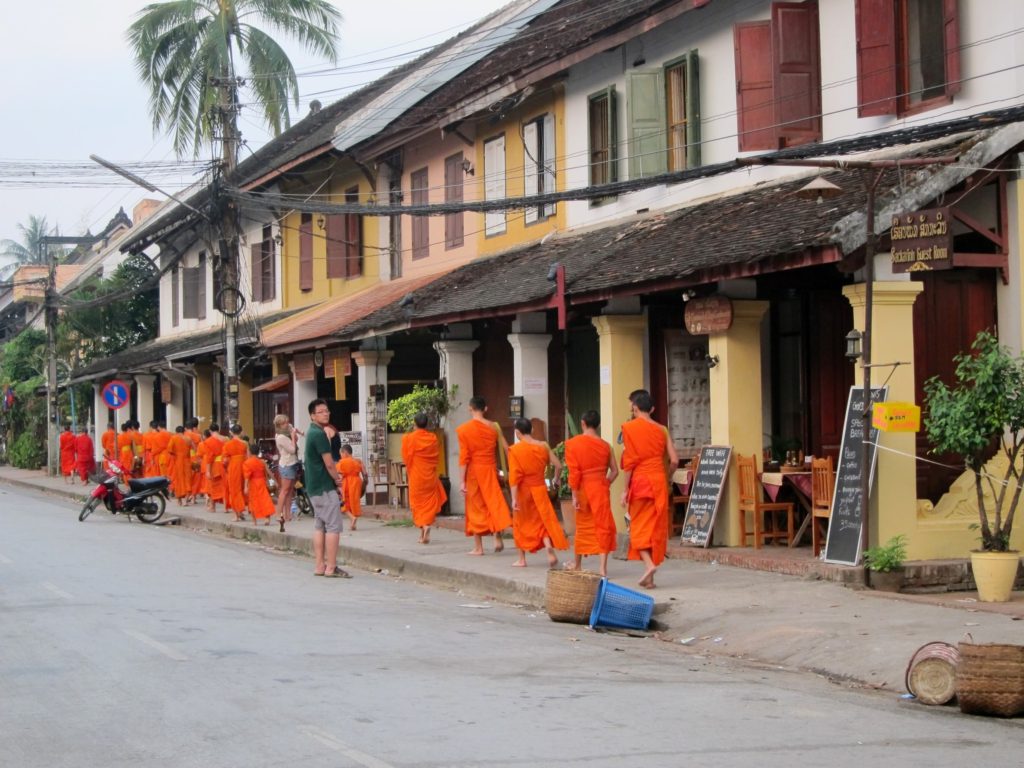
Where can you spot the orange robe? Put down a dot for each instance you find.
(486, 510)
(254, 472)
(149, 466)
(421, 452)
(203, 484)
(587, 458)
(351, 470)
(194, 440)
(215, 464)
(234, 453)
(644, 456)
(85, 460)
(67, 453)
(109, 443)
(126, 452)
(535, 518)
(161, 456)
(180, 466)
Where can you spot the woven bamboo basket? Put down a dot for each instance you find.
(990, 679)
(931, 673)
(570, 595)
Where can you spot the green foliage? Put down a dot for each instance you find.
(433, 401)
(31, 250)
(28, 451)
(888, 557)
(572, 429)
(21, 367)
(984, 408)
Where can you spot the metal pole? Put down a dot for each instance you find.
(871, 182)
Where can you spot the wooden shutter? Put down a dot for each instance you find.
(692, 109)
(796, 68)
(548, 163)
(951, 33)
(174, 295)
(306, 253)
(647, 144)
(268, 273)
(420, 224)
(453, 227)
(531, 167)
(603, 137)
(494, 183)
(201, 287)
(876, 57)
(754, 86)
(336, 245)
(353, 236)
(256, 270)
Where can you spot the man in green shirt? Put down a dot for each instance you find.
(322, 484)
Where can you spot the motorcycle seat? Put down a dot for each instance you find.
(147, 483)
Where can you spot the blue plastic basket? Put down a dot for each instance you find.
(616, 606)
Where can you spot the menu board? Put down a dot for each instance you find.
(689, 391)
(847, 522)
(706, 494)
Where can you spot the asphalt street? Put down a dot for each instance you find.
(125, 644)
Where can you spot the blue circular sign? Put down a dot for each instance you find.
(116, 394)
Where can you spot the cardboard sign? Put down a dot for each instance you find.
(896, 417)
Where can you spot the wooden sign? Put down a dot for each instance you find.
(896, 417)
(335, 360)
(710, 314)
(303, 367)
(844, 528)
(165, 390)
(706, 494)
(922, 241)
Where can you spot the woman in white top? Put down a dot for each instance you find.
(286, 438)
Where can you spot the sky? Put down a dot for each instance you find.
(71, 89)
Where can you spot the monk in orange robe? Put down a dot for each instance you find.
(591, 471)
(534, 522)
(215, 467)
(67, 454)
(646, 446)
(421, 453)
(109, 443)
(149, 467)
(353, 476)
(85, 456)
(486, 510)
(161, 457)
(202, 488)
(234, 454)
(180, 466)
(254, 475)
(194, 439)
(126, 449)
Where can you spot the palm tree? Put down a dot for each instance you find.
(185, 52)
(31, 249)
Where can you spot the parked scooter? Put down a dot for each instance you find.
(146, 498)
(303, 506)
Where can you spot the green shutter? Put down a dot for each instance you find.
(692, 109)
(647, 145)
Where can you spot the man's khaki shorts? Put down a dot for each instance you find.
(327, 512)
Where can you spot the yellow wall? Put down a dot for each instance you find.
(204, 395)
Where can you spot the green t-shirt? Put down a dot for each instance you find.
(318, 479)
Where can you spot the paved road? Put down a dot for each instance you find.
(123, 644)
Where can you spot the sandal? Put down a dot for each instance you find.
(338, 573)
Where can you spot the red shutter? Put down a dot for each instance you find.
(306, 254)
(796, 67)
(754, 85)
(336, 245)
(951, 31)
(876, 57)
(353, 245)
(256, 270)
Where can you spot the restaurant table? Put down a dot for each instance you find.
(800, 482)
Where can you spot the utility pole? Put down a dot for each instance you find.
(50, 318)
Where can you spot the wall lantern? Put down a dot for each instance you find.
(711, 360)
(853, 345)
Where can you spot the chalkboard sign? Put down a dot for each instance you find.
(705, 494)
(846, 523)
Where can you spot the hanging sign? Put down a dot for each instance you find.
(337, 362)
(303, 367)
(922, 241)
(896, 417)
(710, 314)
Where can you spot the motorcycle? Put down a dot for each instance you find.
(146, 498)
(302, 503)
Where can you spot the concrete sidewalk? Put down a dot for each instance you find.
(844, 633)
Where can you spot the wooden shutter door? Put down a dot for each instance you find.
(174, 295)
(453, 232)
(876, 57)
(531, 159)
(494, 183)
(692, 109)
(306, 253)
(256, 270)
(201, 288)
(797, 71)
(548, 162)
(951, 33)
(647, 145)
(754, 85)
(353, 245)
(336, 245)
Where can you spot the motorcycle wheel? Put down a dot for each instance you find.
(88, 509)
(151, 510)
(303, 503)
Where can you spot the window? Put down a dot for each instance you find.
(193, 279)
(174, 296)
(306, 252)
(420, 224)
(664, 118)
(682, 113)
(602, 118)
(778, 78)
(344, 241)
(539, 164)
(201, 286)
(908, 56)
(263, 268)
(453, 222)
(494, 183)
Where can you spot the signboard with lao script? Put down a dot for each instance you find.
(922, 241)
(710, 314)
(706, 494)
(846, 522)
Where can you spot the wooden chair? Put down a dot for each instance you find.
(822, 485)
(768, 516)
(678, 502)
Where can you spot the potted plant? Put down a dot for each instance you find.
(982, 414)
(886, 564)
(435, 402)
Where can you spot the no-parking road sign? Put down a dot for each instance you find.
(116, 394)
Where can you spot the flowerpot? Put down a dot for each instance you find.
(994, 574)
(568, 517)
(887, 581)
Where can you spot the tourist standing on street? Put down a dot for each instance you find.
(647, 445)
(534, 522)
(286, 439)
(322, 485)
(480, 442)
(592, 470)
(354, 478)
(421, 452)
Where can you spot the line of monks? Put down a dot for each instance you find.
(77, 455)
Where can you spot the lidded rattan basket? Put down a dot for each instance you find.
(570, 595)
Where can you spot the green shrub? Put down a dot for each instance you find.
(889, 557)
(28, 451)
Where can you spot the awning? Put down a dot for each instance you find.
(276, 384)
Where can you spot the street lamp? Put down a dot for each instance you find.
(853, 345)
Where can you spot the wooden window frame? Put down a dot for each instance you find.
(689, 63)
(419, 194)
(495, 222)
(454, 224)
(306, 252)
(353, 236)
(539, 172)
(602, 160)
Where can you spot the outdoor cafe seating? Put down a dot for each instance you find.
(772, 520)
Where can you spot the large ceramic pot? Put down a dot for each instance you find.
(994, 573)
(887, 581)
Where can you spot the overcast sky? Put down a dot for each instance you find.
(70, 89)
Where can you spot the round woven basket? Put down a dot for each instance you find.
(931, 673)
(570, 595)
(990, 679)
